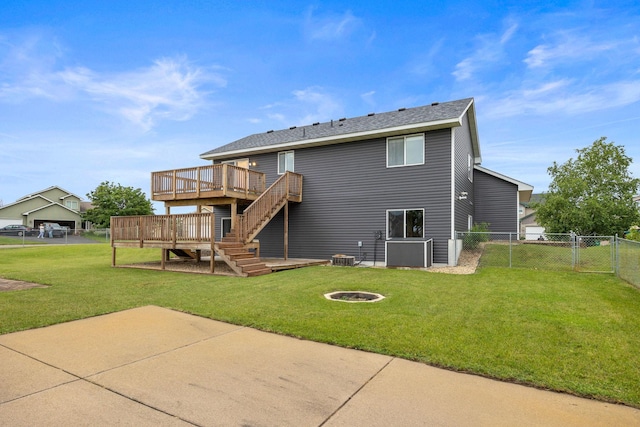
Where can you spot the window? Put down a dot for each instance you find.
(71, 204)
(225, 226)
(405, 151)
(285, 162)
(241, 163)
(469, 167)
(405, 223)
(469, 222)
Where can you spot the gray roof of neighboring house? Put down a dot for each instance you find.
(434, 116)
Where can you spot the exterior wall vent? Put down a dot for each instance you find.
(270, 131)
(371, 114)
(401, 109)
(433, 104)
(293, 127)
(316, 123)
(342, 119)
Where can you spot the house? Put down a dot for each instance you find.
(387, 189)
(407, 176)
(53, 204)
(529, 227)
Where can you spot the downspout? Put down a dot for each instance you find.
(453, 184)
(452, 247)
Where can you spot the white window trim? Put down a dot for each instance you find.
(405, 150)
(293, 162)
(404, 228)
(469, 168)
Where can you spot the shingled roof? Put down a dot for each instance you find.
(403, 120)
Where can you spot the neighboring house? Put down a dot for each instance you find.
(636, 199)
(52, 204)
(381, 185)
(529, 227)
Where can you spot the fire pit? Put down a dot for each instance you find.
(354, 296)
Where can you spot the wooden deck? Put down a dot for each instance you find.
(206, 183)
(188, 235)
(221, 269)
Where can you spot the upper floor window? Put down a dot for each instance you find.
(470, 167)
(71, 204)
(405, 150)
(403, 223)
(285, 162)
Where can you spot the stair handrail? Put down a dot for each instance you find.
(261, 210)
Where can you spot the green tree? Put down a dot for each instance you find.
(592, 194)
(115, 200)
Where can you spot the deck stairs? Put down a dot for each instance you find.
(239, 258)
(233, 247)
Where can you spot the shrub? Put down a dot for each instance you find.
(479, 233)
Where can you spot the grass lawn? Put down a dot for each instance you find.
(560, 330)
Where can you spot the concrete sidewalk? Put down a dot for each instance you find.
(153, 366)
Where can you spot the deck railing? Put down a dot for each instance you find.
(286, 188)
(181, 228)
(206, 181)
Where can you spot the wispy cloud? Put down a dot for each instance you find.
(569, 48)
(167, 90)
(31, 66)
(489, 50)
(565, 97)
(330, 27)
(308, 105)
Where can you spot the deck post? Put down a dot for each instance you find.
(234, 213)
(212, 225)
(113, 256)
(286, 231)
(198, 181)
(173, 183)
(224, 179)
(162, 260)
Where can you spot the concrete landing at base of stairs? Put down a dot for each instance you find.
(152, 366)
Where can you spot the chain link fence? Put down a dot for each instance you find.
(628, 261)
(548, 251)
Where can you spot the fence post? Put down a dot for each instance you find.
(574, 242)
(510, 250)
(616, 262)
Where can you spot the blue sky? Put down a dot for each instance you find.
(94, 91)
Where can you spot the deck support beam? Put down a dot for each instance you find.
(286, 231)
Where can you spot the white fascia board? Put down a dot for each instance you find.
(50, 205)
(473, 125)
(337, 139)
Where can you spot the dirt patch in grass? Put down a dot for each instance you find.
(17, 285)
(467, 263)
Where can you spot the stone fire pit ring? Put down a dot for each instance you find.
(354, 296)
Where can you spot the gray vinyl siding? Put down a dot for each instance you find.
(463, 147)
(495, 203)
(347, 190)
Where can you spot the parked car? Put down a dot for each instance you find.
(17, 230)
(56, 229)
